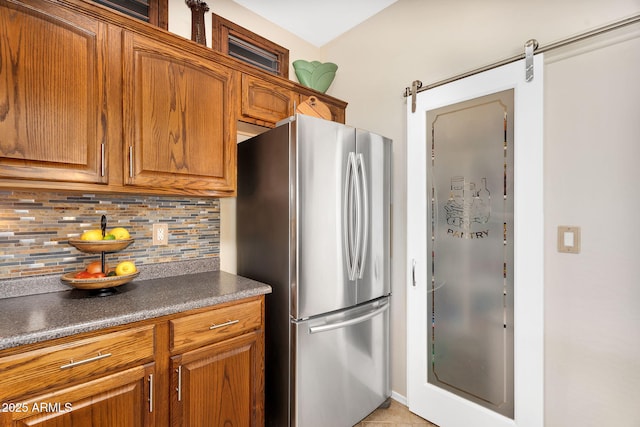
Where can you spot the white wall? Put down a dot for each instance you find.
(592, 148)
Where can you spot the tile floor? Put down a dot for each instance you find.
(397, 415)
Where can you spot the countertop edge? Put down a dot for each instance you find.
(71, 328)
(75, 329)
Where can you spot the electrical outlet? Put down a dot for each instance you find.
(160, 234)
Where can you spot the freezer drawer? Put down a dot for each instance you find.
(341, 373)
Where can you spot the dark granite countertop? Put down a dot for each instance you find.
(41, 317)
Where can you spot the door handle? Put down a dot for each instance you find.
(347, 217)
(365, 213)
(358, 215)
(413, 272)
(359, 319)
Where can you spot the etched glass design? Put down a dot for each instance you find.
(470, 219)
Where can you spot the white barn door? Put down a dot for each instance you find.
(475, 250)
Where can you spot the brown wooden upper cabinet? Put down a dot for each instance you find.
(52, 94)
(179, 121)
(95, 101)
(265, 103)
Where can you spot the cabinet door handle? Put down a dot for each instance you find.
(131, 161)
(71, 364)
(102, 159)
(222, 325)
(150, 392)
(179, 389)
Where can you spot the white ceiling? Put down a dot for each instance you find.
(316, 21)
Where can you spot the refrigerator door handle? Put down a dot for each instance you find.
(347, 217)
(365, 209)
(354, 321)
(358, 214)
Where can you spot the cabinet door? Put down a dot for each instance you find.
(122, 399)
(220, 385)
(179, 122)
(265, 103)
(52, 94)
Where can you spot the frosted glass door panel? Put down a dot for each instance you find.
(470, 221)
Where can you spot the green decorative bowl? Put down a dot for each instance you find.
(315, 74)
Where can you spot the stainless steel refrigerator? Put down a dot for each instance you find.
(313, 221)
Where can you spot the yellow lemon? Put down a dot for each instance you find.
(91, 235)
(125, 268)
(120, 233)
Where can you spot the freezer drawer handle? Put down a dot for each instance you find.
(222, 325)
(338, 325)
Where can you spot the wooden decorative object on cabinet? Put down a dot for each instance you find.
(53, 85)
(337, 111)
(198, 31)
(179, 124)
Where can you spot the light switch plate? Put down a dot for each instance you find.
(569, 239)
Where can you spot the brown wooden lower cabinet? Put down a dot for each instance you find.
(122, 399)
(97, 380)
(219, 385)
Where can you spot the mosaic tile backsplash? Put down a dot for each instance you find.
(35, 228)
